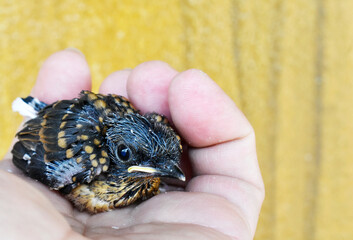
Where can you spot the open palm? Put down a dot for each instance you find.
(224, 191)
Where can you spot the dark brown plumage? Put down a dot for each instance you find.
(98, 151)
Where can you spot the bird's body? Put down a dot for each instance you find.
(98, 151)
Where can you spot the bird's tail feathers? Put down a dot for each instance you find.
(28, 107)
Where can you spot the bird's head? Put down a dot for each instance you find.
(143, 146)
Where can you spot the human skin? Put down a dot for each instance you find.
(224, 190)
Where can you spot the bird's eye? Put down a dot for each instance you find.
(123, 152)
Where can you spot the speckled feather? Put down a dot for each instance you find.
(72, 145)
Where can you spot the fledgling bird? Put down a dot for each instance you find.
(97, 150)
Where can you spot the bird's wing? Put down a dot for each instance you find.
(64, 144)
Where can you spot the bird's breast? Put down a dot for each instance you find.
(103, 195)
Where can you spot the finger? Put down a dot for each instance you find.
(148, 85)
(116, 83)
(236, 158)
(247, 198)
(208, 119)
(224, 154)
(62, 76)
(203, 113)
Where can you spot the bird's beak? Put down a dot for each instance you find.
(172, 172)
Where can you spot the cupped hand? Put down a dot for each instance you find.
(224, 190)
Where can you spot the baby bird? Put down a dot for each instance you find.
(97, 150)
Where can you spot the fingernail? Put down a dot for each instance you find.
(75, 50)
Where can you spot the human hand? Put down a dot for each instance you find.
(224, 191)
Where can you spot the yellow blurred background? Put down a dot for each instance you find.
(287, 64)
